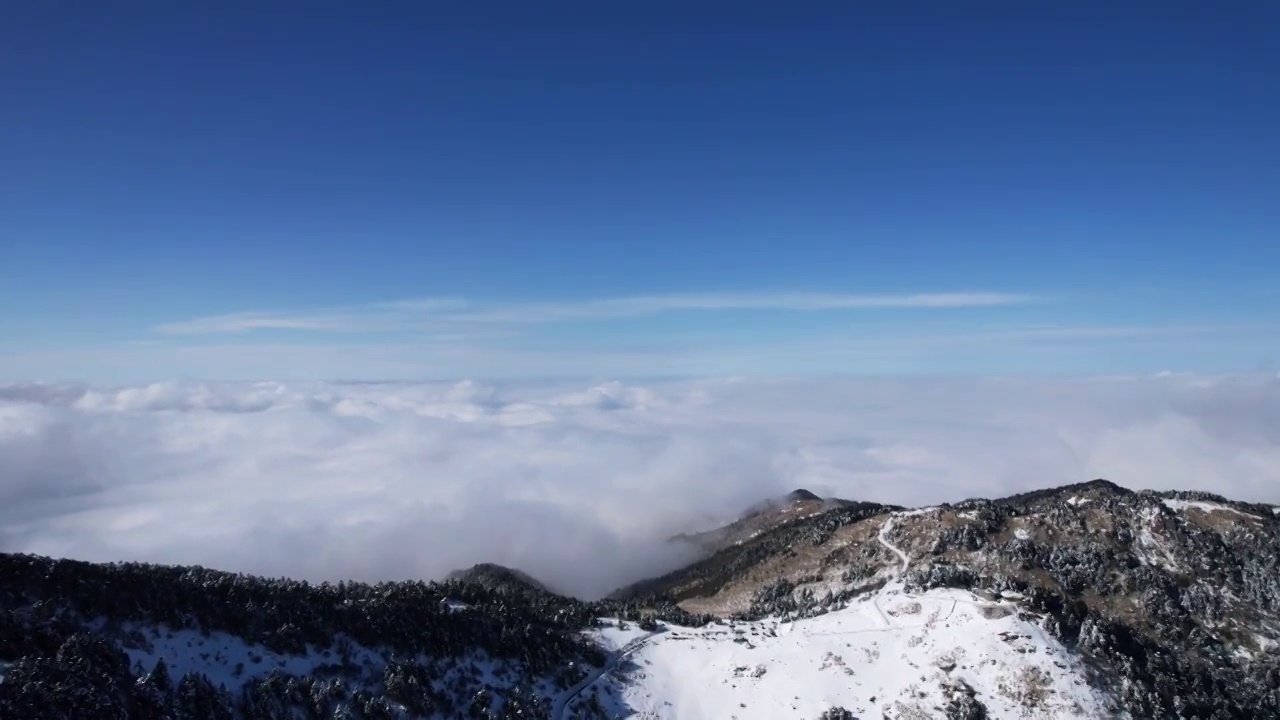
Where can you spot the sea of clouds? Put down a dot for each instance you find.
(575, 483)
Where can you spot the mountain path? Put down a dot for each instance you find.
(560, 709)
(883, 537)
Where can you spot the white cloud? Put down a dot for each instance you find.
(628, 307)
(247, 321)
(446, 312)
(573, 482)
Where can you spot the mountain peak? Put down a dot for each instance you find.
(800, 494)
(498, 577)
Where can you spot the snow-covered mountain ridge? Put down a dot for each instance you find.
(1084, 601)
(893, 653)
(1171, 599)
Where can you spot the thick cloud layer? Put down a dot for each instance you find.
(574, 484)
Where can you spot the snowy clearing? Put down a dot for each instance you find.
(899, 662)
(889, 652)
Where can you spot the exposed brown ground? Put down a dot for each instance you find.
(809, 563)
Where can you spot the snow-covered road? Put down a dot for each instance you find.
(561, 707)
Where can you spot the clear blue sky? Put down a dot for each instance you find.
(315, 189)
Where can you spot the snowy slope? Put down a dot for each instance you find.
(230, 662)
(888, 652)
(227, 660)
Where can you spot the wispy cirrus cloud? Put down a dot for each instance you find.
(371, 317)
(415, 313)
(1068, 333)
(249, 321)
(639, 306)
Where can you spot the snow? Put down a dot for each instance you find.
(228, 660)
(1022, 534)
(1265, 647)
(893, 647)
(562, 704)
(1077, 500)
(889, 652)
(613, 639)
(1150, 548)
(3, 667)
(1200, 505)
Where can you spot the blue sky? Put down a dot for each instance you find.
(298, 190)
